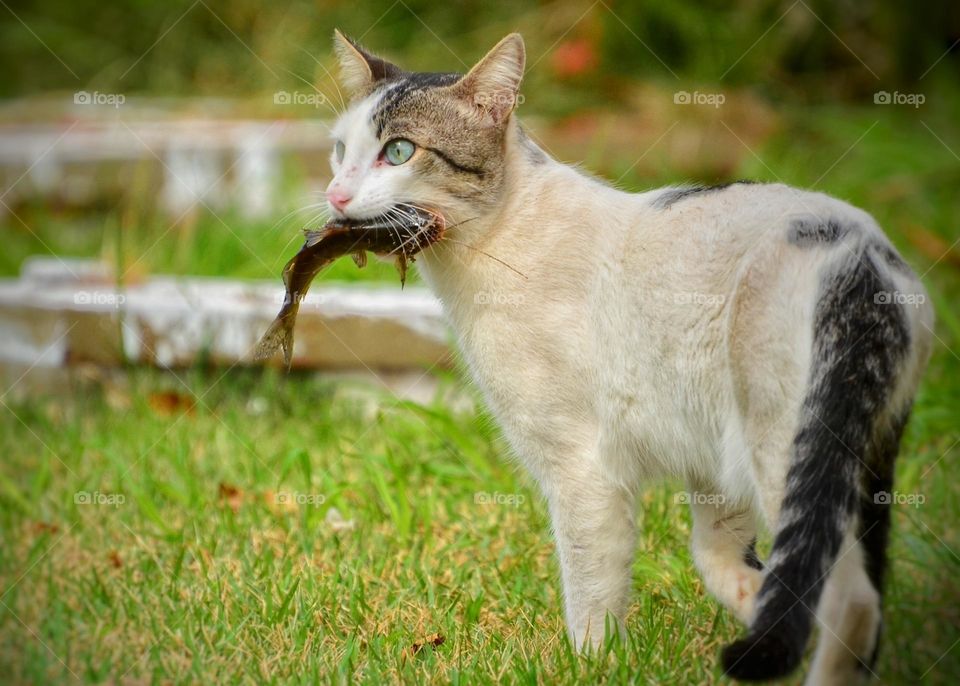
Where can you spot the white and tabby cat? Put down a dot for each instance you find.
(737, 337)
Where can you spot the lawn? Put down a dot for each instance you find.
(179, 530)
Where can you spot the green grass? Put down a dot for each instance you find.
(201, 574)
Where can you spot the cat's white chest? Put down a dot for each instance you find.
(562, 377)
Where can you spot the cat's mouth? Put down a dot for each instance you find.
(411, 228)
(405, 219)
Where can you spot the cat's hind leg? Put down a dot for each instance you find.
(723, 546)
(849, 620)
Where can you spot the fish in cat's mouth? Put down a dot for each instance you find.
(400, 232)
(402, 220)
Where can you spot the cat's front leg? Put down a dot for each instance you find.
(593, 523)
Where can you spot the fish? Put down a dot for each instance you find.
(403, 232)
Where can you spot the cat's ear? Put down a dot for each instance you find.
(360, 70)
(492, 86)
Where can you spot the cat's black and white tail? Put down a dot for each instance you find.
(842, 455)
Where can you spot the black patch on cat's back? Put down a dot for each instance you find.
(890, 256)
(667, 199)
(811, 232)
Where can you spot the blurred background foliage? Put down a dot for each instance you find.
(812, 49)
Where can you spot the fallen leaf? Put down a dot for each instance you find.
(435, 640)
(225, 490)
(168, 403)
(231, 495)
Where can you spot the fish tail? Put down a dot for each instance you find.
(279, 335)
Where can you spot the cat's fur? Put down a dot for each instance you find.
(735, 337)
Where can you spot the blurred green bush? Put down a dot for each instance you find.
(813, 48)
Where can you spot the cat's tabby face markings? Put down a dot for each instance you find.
(456, 123)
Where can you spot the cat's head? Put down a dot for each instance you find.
(431, 140)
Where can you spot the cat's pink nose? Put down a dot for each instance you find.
(339, 199)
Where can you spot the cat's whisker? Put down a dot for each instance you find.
(414, 238)
(343, 104)
(324, 99)
(395, 210)
(394, 227)
(483, 252)
(466, 245)
(299, 210)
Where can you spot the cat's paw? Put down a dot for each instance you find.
(746, 585)
(736, 586)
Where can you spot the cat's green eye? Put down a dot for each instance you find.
(339, 149)
(398, 151)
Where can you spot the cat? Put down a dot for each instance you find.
(751, 339)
